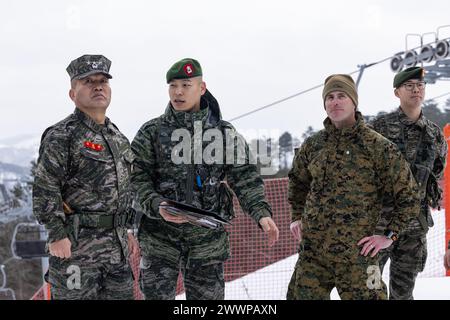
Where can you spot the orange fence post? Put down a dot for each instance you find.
(447, 190)
(48, 294)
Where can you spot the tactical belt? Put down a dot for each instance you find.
(94, 220)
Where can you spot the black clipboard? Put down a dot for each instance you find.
(194, 215)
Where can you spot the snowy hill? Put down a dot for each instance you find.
(19, 150)
(11, 173)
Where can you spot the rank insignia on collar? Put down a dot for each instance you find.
(93, 146)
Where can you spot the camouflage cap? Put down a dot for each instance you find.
(87, 65)
(341, 82)
(408, 74)
(184, 69)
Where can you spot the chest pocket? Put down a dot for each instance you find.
(317, 170)
(88, 155)
(215, 193)
(423, 165)
(427, 152)
(93, 165)
(359, 170)
(164, 143)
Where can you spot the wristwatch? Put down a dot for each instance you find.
(391, 235)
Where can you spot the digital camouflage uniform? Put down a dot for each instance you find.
(87, 166)
(335, 187)
(166, 247)
(424, 147)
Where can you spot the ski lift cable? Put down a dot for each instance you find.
(439, 96)
(316, 87)
(276, 102)
(293, 96)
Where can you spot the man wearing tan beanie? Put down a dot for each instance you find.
(336, 185)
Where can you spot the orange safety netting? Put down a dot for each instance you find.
(447, 190)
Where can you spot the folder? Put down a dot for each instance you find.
(195, 216)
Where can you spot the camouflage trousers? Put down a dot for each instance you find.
(318, 272)
(408, 257)
(159, 277)
(102, 276)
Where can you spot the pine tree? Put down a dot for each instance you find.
(18, 192)
(432, 112)
(309, 132)
(33, 167)
(285, 145)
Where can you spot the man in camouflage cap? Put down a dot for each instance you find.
(336, 185)
(82, 193)
(423, 145)
(168, 242)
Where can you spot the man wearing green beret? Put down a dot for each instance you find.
(162, 171)
(423, 145)
(336, 187)
(82, 193)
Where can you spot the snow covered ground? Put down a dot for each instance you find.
(271, 282)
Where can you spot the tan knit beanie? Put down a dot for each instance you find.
(340, 82)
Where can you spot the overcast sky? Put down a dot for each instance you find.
(252, 53)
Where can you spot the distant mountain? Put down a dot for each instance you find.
(11, 171)
(11, 174)
(19, 150)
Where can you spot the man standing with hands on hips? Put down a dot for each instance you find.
(336, 184)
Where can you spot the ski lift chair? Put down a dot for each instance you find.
(27, 241)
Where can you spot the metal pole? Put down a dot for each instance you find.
(412, 34)
(361, 71)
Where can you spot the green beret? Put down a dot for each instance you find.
(87, 65)
(184, 69)
(407, 74)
